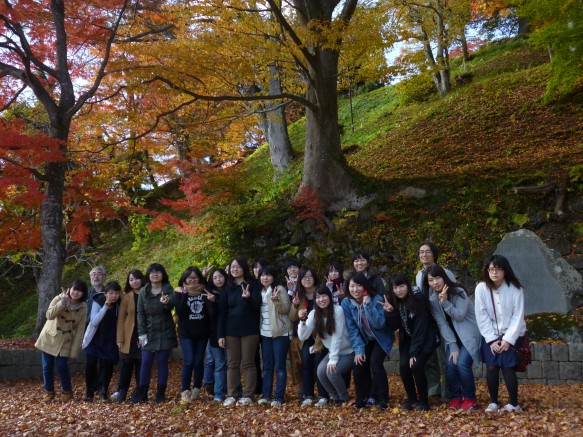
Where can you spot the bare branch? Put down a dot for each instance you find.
(141, 36)
(232, 98)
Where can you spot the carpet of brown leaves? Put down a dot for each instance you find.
(548, 411)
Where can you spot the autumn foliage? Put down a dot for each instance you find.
(549, 410)
(308, 205)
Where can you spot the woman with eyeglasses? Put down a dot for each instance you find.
(500, 317)
(195, 309)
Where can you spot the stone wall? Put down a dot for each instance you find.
(552, 364)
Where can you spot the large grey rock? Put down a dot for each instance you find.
(549, 282)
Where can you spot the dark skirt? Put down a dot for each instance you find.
(509, 358)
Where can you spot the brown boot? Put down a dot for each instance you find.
(49, 396)
(67, 396)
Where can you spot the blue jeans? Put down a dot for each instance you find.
(162, 358)
(460, 378)
(274, 358)
(220, 374)
(48, 362)
(209, 366)
(310, 363)
(192, 361)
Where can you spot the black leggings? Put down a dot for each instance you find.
(493, 381)
(413, 376)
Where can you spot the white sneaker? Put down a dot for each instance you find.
(511, 409)
(229, 401)
(263, 401)
(307, 402)
(321, 402)
(244, 401)
(114, 397)
(492, 408)
(195, 393)
(276, 403)
(185, 396)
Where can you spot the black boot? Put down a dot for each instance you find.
(122, 396)
(103, 395)
(160, 394)
(140, 395)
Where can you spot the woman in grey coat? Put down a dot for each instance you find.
(454, 314)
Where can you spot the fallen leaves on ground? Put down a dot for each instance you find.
(549, 410)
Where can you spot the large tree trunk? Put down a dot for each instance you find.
(325, 171)
(51, 223)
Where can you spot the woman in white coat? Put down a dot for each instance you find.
(500, 317)
(328, 321)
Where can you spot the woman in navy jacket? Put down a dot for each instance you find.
(371, 338)
(238, 330)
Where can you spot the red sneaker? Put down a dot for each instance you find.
(468, 404)
(455, 404)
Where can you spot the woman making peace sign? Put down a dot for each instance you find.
(238, 330)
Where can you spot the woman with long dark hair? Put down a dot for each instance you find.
(215, 372)
(328, 321)
(454, 314)
(500, 317)
(409, 312)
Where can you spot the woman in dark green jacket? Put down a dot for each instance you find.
(156, 331)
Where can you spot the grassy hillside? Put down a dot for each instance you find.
(466, 151)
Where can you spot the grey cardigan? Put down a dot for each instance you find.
(463, 317)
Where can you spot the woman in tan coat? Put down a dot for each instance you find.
(127, 335)
(61, 337)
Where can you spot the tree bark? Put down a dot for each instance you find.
(280, 149)
(325, 171)
(465, 49)
(51, 224)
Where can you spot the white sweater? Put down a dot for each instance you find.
(510, 313)
(338, 343)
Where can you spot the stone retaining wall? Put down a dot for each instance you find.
(552, 364)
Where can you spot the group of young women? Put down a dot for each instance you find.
(332, 328)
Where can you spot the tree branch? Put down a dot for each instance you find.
(231, 98)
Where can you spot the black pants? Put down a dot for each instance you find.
(413, 378)
(372, 371)
(126, 366)
(98, 373)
